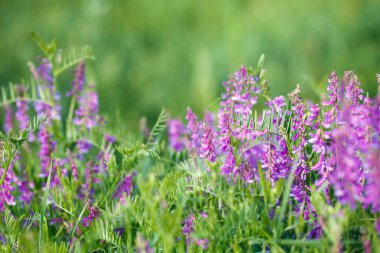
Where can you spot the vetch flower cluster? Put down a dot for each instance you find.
(60, 159)
(333, 145)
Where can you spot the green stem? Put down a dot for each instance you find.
(112, 188)
(70, 116)
(6, 168)
(72, 231)
(31, 100)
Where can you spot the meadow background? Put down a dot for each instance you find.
(297, 176)
(176, 54)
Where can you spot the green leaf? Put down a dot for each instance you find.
(76, 224)
(43, 207)
(158, 129)
(261, 62)
(18, 140)
(72, 57)
(47, 48)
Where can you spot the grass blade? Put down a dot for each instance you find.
(76, 224)
(44, 202)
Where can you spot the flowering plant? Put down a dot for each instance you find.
(277, 174)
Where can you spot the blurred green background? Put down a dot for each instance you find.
(177, 53)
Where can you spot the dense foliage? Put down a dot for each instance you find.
(292, 177)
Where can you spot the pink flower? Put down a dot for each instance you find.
(208, 144)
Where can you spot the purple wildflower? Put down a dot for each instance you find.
(276, 104)
(312, 116)
(360, 125)
(229, 163)
(54, 221)
(192, 128)
(204, 215)
(188, 228)
(73, 166)
(109, 139)
(90, 173)
(22, 114)
(224, 124)
(334, 97)
(46, 149)
(51, 108)
(203, 243)
(33, 70)
(298, 121)
(79, 80)
(94, 214)
(353, 91)
(277, 162)
(56, 164)
(87, 113)
(45, 108)
(329, 118)
(317, 141)
(247, 133)
(326, 168)
(103, 157)
(243, 103)
(244, 170)
(378, 91)
(83, 147)
(209, 118)
(372, 187)
(239, 95)
(316, 232)
(248, 168)
(348, 188)
(8, 119)
(176, 132)
(44, 73)
(191, 120)
(125, 188)
(142, 245)
(6, 188)
(300, 192)
(366, 244)
(26, 191)
(208, 145)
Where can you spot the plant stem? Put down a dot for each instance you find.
(70, 116)
(10, 159)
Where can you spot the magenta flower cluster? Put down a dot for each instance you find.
(59, 159)
(333, 145)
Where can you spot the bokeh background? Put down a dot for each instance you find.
(177, 53)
